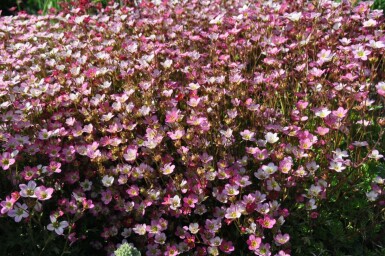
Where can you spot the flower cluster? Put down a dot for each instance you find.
(187, 126)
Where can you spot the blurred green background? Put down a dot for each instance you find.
(10, 7)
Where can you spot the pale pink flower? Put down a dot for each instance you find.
(361, 53)
(6, 160)
(131, 153)
(43, 193)
(28, 190)
(167, 169)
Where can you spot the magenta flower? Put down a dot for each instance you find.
(7, 205)
(172, 116)
(227, 247)
(267, 222)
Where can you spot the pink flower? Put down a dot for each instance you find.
(247, 135)
(172, 116)
(7, 205)
(87, 204)
(227, 247)
(190, 201)
(381, 88)
(167, 169)
(325, 56)
(340, 112)
(171, 251)
(253, 242)
(106, 196)
(234, 211)
(6, 160)
(131, 153)
(133, 191)
(43, 193)
(263, 250)
(322, 130)
(281, 239)
(267, 222)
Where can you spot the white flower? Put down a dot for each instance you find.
(193, 228)
(86, 185)
(193, 86)
(314, 191)
(126, 232)
(270, 168)
(57, 226)
(271, 137)
(140, 229)
(167, 63)
(107, 181)
(372, 195)
(369, 23)
(311, 205)
(322, 112)
(375, 155)
(175, 202)
(340, 154)
(218, 19)
(294, 16)
(105, 85)
(337, 166)
(380, 86)
(378, 180)
(360, 143)
(376, 44)
(325, 55)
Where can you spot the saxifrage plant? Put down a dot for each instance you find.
(195, 127)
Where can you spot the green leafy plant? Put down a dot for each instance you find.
(127, 250)
(379, 4)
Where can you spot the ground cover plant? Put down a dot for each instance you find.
(193, 128)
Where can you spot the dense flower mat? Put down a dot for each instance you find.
(188, 127)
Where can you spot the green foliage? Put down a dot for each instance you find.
(33, 6)
(348, 224)
(127, 250)
(379, 4)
